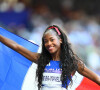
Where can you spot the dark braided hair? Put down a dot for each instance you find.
(69, 60)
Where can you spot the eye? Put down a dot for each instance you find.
(45, 41)
(52, 40)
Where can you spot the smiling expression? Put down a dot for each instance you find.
(52, 42)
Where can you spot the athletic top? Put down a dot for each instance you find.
(51, 76)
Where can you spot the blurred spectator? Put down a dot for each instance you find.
(39, 27)
(14, 15)
(78, 35)
(93, 58)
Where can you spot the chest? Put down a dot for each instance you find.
(52, 74)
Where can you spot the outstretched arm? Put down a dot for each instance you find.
(89, 74)
(18, 48)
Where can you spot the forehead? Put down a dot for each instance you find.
(50, 33)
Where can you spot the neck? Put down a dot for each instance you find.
(56, 56)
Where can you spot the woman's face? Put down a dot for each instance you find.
(52, 42)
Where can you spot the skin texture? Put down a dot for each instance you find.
(52, 44)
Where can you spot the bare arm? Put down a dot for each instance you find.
(89, 74)
(18, 48)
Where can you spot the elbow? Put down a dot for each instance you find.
(99, 81)
(81, 69)
(15, 47)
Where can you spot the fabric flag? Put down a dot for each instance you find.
(83, 83)
(13, 66)
(87, 84)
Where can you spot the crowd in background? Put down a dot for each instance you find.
(82, 28)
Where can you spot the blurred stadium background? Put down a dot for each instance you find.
(80, 19)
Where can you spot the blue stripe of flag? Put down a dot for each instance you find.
(13, 66)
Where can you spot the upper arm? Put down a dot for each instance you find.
(89, 74)
(32, 56)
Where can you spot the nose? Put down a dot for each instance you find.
(49, 43)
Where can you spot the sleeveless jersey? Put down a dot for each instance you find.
(51, 77)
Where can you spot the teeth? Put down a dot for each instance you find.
(50, 47)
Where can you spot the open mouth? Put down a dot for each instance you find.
(50, 48)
